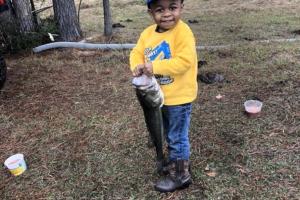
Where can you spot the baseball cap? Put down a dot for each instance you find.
(149, 1)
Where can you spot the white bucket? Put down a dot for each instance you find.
(16, 164)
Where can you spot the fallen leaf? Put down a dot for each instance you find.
(211, 174)
(273, 134)
(207, 168)
(219, 96)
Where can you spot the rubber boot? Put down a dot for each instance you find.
(178, 177)
(162, 167)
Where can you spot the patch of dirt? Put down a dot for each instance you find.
(221, 6)
(86, 6)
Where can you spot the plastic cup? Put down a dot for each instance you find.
(16, 164)
(253, 107)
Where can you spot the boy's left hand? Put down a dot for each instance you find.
(138, 70)
(148, 69)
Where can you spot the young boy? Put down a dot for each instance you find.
(167, 50)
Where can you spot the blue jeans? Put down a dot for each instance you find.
(176, 124)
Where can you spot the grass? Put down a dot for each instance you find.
(74, 115)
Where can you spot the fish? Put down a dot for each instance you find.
(151, 99)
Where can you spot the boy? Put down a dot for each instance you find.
(167, 50)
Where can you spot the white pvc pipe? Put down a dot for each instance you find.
(82, 45)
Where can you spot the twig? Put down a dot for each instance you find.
(41, 10)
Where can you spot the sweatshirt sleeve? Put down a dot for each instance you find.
(183, 58)
(137, 54)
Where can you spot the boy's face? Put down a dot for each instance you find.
(166, 13)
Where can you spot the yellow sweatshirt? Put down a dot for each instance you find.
(174, 59)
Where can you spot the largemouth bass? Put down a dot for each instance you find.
(150, 98)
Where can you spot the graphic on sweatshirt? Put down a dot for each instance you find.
(160, 52)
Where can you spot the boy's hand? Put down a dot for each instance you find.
(148, 69)
(138, 70)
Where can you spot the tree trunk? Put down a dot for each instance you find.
(8, 27)
(107, 18)
(65, 14)
(8, 18)
(23, 12)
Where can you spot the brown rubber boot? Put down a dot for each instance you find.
(178, 177)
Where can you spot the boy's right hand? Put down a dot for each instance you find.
(138, 70)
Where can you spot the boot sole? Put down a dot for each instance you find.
(185, 185)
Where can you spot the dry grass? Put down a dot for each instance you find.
(75, 117)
